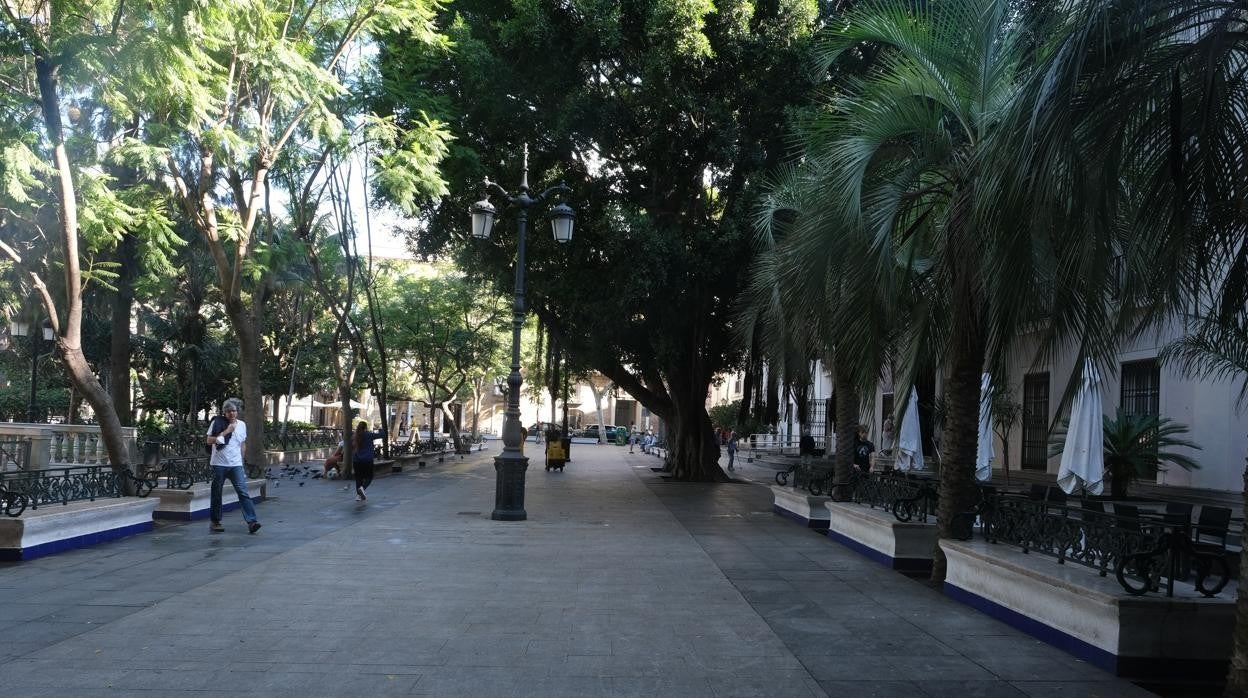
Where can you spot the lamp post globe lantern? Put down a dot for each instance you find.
(482, 219)
(510, 465)
(562, 219)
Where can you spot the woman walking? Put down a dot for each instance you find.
(364, 454)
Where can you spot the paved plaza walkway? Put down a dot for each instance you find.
(619, 584)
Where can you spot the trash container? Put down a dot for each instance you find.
(151, 454)
(556, 457)
(567, 448)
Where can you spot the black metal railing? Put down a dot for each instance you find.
(814, 476)
(906, 498)
(185, 443)
(297, 438)
(35, 488)
(182, 473)
(1139, 551)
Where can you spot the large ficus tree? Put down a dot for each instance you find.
(659, 114)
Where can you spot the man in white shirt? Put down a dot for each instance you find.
(227, 462)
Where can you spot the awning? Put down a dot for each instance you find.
(357, 405)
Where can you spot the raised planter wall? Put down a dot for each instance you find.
(54, 528)
(800, 506)
(877, 534)
(195, 503)
(1091, 617)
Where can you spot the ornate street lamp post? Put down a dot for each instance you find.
(23, 329)
(510, 465)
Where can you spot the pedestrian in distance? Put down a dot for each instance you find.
(806, 445)
(365, 452)
(632, 437)
(334, 460)
(226, 436)
(863, 449)
(732, 449)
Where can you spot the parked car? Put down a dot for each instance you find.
(592, 431)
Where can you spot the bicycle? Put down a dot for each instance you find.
(1141, 572)
(14, 502)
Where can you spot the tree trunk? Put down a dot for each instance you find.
(69, 341)
(598, 395)
(771, 414)
(694, 449)
(119, 343)
(1005, 454)
(247, 330)
(347, 468)
(961, 432)
(846, 420)
(747, 381)
(1237, 675)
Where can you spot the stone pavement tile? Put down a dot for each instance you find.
(277, 682)
(969, 689)
(1040, 668)
(36, 634)
(169, 681)
(809, 578)
(563, 646)
(835, 595)
(17, 612)
(889, 645)
(640, 664)
(89, 614)
(24, 674)
(862, 615)
(127, 597)
(870, 689)
(892, 668)
(1088, 689)
(461, 681)
(979, 647)
(797, 684)
(649, 686)
(737, 574)
(788, 608)
(745, 666)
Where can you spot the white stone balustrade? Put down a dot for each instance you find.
(60, 445)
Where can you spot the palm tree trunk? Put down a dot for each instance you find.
(961, 432)
(846, 419)
(1237, 676)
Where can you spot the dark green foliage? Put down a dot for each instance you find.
(1137, 446)
(660, 115)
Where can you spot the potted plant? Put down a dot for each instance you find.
(1138, 446)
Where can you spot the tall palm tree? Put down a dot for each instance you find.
(1218, 350)
(1136, 127)
(801, 292)
(901, 158)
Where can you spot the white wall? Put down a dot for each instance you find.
(1207, 408)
